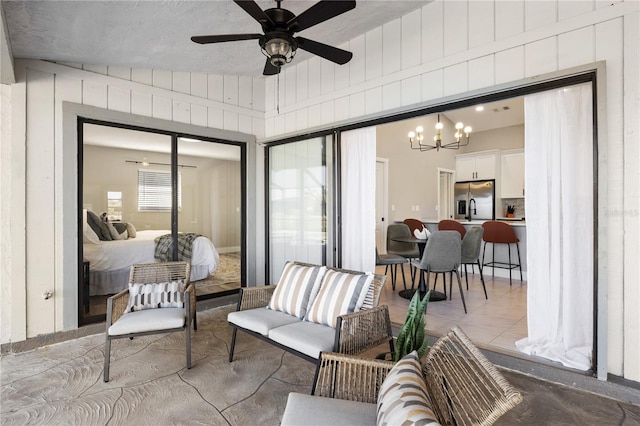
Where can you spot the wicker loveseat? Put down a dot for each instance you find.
(349, 333)
(462, 388)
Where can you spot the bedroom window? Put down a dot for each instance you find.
(114, 206)
(154, 191)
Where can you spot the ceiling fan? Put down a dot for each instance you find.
(278, 43)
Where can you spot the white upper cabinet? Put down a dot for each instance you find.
(512, 171)
(477, 166)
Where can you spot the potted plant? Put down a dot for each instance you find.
(411, 336)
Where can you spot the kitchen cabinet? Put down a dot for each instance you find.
(512, 174)
(477, 166)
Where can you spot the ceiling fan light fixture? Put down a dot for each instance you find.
(280, 49)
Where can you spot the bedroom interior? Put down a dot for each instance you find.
(127, 179)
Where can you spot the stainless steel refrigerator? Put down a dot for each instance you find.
(475, 200)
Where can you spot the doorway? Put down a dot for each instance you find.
(446, 181)
(382, 203)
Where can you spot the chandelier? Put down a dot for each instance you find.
(418, 137)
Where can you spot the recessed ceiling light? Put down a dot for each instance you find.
(479, 108)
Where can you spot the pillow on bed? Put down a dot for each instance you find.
(156, 295)
(115, 235)
(131, 230)
(89, 236)
(98, 226)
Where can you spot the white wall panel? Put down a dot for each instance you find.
(302, 81)
(99, 69)
(411, 39)
(141, 104)
(314, 77)
(40, 202)
(230, 120)
(411, 90)
(290, 122)
(341, 72)
(301, 119)
(230, 89)
(391, 47)
(481, 23)
(259, 91)
(569, 9)
(279, 125)
(199, 115)
(119, 72)
(162, 108)
(259, 126)
(373, 100)
(341, 109)
(199, 84)
(315, 115)
(215, 118)
(481, 72)
(356, 105)
(541, 57)
(215, 87)
(373, 54)
(118, 99)
(162, 79)
(269, 127)
(509, 19)
(69, 90)
(245, 91)
(456, 34)
(432, 31)
(327, 112)
(142, 75)
(455, 79)
(509, 65)
(181, 111)
(245, 124)
(576, 47)
(432, 85)
(357, 63)
(181, 82)
(327, 77)
(288, 86)
(270, 93)
(540, 14)
(94, 94)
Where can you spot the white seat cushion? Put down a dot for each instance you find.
(316, 410)
(261, 320)
(306, 337)
(148, 320)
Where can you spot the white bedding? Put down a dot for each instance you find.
(118, 256)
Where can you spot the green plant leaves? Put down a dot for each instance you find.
(411, 336)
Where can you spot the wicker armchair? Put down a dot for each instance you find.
(354, 333)
(463, 386)
(121, 324)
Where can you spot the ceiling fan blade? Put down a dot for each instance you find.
(320, 12)
(252, 8)
(331, 53)
(270, 69)
(224, 37)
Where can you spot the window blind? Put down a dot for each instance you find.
(154, 191)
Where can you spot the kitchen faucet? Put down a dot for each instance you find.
(472, 210)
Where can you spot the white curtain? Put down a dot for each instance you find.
(560, 228)
(358, 174)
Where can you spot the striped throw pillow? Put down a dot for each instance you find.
(340, 293)
(298, 285)
(403, 397)
(156, 295)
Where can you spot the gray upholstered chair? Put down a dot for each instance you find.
(406, 250)
(124, 321)
(471, 245)
(392, 260)
(443, 254)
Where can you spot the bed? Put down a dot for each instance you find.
(110, 261)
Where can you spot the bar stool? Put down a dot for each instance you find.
(452, 225)
(500, 233)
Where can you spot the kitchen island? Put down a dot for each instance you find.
(520, 228)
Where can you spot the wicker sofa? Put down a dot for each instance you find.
(353, 332)
(462, 388)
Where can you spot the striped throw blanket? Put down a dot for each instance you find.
(164, 247)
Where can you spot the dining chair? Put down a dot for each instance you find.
(414, 224)
(159, 299)
(442, 254)
(471, 245)
(407, 250)
(496, 232)
(452, 225)
(392, 260)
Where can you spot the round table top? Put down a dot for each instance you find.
(410, 239)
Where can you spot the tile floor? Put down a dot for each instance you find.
(494, 323)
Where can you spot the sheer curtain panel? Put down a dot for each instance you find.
(560, 228)
(358, 173)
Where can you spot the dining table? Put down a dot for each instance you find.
(408, 293)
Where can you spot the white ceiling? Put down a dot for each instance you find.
(508, 112)
(156, 34)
